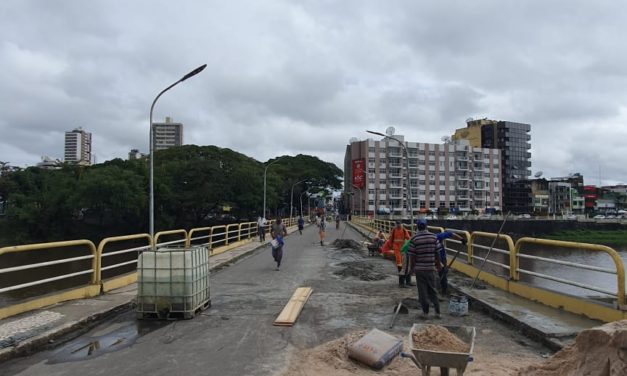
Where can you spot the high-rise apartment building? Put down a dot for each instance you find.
(78, 147)
(452, 176)
(167, 134)
(513, 140)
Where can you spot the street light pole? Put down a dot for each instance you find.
(292, 196)
(151, 204)
(301, 202)
(265, 172)
(411, 210)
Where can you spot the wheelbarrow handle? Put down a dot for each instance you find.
(412, 357)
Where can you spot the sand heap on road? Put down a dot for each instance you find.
(331, 358)
(600, 351)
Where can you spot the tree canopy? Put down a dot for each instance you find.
(194, 186)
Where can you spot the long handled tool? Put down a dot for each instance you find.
(498, 234)
(398, 309)
(450, 263)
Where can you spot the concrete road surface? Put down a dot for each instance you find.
(236, 337)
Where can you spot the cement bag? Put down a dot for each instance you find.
(375, 349)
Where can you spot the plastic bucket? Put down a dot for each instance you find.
(458, 306)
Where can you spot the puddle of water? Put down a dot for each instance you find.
(116, 336)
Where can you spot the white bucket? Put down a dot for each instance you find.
(458, 306)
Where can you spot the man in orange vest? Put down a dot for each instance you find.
(397, 237)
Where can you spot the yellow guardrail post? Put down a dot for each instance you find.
(618, 262)
(112, 239)
(239, 232)
(169, 232)
(95, 263)
(191, 233)
(228, 231)
(506, 238)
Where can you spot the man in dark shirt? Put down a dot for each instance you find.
(423, 256)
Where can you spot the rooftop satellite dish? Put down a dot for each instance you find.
(446, 139)
(390, 131)
(353, 139)
(538, 174)
(469, 120)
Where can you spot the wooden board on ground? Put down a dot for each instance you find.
(292, 309)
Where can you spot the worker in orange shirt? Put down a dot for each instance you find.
(397, 237)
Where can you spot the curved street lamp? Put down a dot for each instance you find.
(292, 196)
(265, 171)
(151, 204)
(411, 210)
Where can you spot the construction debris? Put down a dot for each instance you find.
(292, 309)
(359, 269)
(598, 351)
(347, 244)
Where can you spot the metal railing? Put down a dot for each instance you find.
(619, 269)
(212, 237)
(514, 253)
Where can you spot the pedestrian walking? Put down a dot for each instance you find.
(397, 238)
(301, 224)
(443, 272)
(278, 232)
(337, 222)
(261, 228)
(321, 230)
(424, 260)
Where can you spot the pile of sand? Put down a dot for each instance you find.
(438, 338)
(598, 351)
(331, 358)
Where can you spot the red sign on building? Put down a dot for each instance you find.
(359, 173)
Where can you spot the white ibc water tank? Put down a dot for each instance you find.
(173, 283)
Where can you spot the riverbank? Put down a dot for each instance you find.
(610, 238)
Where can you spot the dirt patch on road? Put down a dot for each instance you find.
(361, 270)
(331, 358)
(347, 244)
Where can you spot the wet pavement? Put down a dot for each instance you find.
(351, 291)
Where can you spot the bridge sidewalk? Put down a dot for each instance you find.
(32, 331)
(552, 327)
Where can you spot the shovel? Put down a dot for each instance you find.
(400, 308)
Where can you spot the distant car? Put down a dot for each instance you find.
(485, 216)
(525, 216)
(611, 217)
(571, 217)
(451, 217)
(599, 216)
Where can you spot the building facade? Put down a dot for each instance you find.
(78, 147)
(450, 177)
(167, 134)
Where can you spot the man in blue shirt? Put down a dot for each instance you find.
(443, 272)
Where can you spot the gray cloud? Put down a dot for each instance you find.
(288, 78)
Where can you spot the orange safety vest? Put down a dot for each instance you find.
(399, 235)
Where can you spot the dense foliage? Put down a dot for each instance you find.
(194, 186)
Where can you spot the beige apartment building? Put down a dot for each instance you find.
(78, 147)
(454, 175)
(167, 134)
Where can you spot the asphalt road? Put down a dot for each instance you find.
(236, 337)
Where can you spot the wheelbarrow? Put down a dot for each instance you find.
(425, 359)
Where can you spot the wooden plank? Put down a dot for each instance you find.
(294, 306)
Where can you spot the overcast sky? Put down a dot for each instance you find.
(289, 77)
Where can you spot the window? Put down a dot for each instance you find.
(371, 170)
(371, 191)
(442, 204)
(371, 149)
(432, 205)
(382, 170)
(422, 205)
(370, 202)
(382, 191)
(432, 153)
